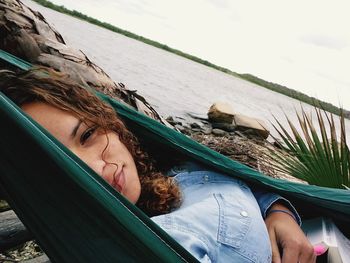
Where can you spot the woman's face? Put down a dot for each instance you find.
(108, 157)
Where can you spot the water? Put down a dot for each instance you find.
(172, 84)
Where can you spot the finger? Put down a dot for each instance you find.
(308, 255)
(276, 257)
(290, 254)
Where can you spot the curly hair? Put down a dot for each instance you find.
(159, 194)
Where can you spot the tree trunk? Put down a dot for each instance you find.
(26, 34)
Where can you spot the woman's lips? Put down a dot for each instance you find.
(119, 181)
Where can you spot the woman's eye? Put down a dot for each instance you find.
(86, 134)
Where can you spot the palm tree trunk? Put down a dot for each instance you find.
(26, 34)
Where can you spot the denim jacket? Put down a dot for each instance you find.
(220, 219)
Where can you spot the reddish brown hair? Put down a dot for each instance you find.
(159, 194)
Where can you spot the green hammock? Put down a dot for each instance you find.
(77, 217)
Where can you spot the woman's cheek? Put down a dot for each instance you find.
(97, 167)
(91, 158)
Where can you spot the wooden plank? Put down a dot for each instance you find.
(40, 259)
(12, 231)
(3, 204)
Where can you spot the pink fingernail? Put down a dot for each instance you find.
(319, 249)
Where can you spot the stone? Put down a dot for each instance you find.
(195, 125)
(240, 134)
(251, 125)
(221, 112)
(179, 128)
(172, 121)
(218, 132)
(224, 126)
(249, 132)
(186, 130)
(207, 131)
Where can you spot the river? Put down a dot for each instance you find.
(174, 85)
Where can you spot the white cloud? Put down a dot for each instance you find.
(326, 41)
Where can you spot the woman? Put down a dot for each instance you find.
(215, 217)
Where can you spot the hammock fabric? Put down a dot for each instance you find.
(77, 217)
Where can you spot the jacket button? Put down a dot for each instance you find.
(244, 213)
(206, 178)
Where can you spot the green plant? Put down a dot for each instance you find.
(320, 158)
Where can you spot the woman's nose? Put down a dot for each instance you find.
(109, 172)
(93, 160)
(96, 165)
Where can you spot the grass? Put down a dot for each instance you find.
(251, 78)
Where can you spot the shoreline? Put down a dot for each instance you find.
(245, 76)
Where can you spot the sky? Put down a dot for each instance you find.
(304, 45)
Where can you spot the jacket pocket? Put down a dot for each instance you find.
(234, 220)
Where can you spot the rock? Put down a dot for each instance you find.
(207, 131)
(186, 130)
(224, 126)
(249, 132)
(179, 128)
(251, 125)
(197, 117)
(221, 112)
(172, 121)
(218, 132)
(240, 134)
(195, 126)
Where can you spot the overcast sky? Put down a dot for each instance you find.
(304, 45)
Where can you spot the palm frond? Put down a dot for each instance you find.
(317, 157)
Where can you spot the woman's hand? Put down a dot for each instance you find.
(286, 234)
